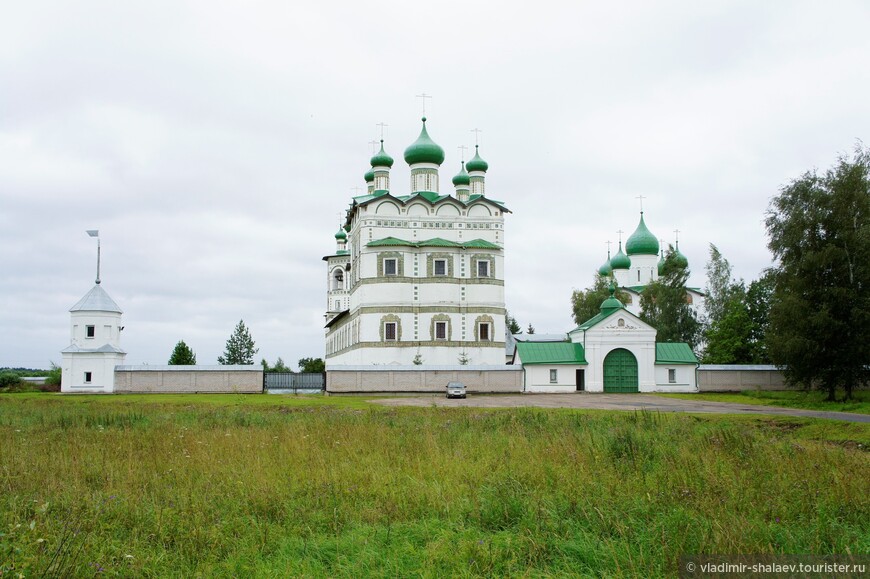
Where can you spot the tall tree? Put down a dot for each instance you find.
(586, 304)
(726, 328)
(240, 347)
(664, 305)
(182, 355)
(313, 365)
(819, 324)
(758, 299)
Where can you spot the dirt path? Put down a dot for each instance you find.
(616, 402)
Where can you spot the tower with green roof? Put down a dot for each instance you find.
(477, 169)
(642, 248)
(424, 156)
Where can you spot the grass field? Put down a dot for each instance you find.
(248, 486)
(813, 400)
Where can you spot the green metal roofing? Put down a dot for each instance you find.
(606, 269)
(434, 242)
(551, 353)
(477, 163)
(620, 260)
(381, 159)
(369, 176)
(642, 241)
(462, 177)
(341, 234)
(424, 149)
(675, 353)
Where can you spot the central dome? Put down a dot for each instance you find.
(642, 241)
(424, 150)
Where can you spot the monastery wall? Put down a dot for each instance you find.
(413, 379)
(189, 379)
(734, 378)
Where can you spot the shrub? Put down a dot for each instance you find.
(9, 380)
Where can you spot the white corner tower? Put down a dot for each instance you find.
(95, 340)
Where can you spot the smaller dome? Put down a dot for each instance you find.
(369, 176)
(477, 163)
(462, 177)
(642, 241)
(679, 259)
(341, 234)
(382, 159)
(606, 269)
(611, 304)
(661, 264)
(620, 260)
(424, 150)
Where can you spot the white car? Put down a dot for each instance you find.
(455, 390)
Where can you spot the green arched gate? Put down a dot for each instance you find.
(620, 371)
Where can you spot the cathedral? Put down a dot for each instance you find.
(417, 276)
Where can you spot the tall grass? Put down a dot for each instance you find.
(262, 490)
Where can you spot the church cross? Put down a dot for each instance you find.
(476, 136)
(423, 98)
(677, 234)
(355, 190)
(374, 144)
(608, 243)
(641, 197)
(462, 151)
(382, 125)
(620, 232)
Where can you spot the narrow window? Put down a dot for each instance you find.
(91, 331)
(440, 330)
(87, 377)
(390, 331)
(440, 266)
(390, 266)
(337, 305)
(482, 268)
(484, 332)
(554, 376)
(672, 376)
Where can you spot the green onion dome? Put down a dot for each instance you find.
(462, 177)
(369, 176)
(382, 159)
(477, 163)
(642, 241)
(680, 260)
(620, 260)
(606, 269)
(341, 234)
(424, 150)
(661, 264)
(611, 304)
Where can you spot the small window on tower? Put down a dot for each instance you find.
(88, 377)
(90, 331)
(672, 375)
(554, 376)
(440, 266)
(391, 266)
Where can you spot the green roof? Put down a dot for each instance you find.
(477, 163)
(424, 150)
(675, 353)
(620, 260)
(462, 177)
(434, 242)
(642, 241)
(382, 159)
(369, 176)
(551, 353)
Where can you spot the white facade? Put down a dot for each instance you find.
(420, 279)
(95, 344)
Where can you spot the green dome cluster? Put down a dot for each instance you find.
(462, 177)
(477, 163)
(642, 241)
(424, 150)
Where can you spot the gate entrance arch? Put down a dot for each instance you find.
(620, 371)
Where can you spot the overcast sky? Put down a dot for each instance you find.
(214, 145)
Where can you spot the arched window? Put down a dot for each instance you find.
(338, 280)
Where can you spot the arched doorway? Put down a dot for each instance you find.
(620, 371)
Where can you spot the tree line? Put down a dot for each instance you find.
(808, 314)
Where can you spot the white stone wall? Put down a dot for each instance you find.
(189, 379)
(537, 378)
(411, 379)
(100, 365)
(107, 329)
(686, 379)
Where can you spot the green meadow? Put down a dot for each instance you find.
(264, 486)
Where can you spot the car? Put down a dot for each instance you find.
(455, 390)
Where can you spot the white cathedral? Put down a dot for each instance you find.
(418, 276)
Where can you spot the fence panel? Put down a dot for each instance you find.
(294, 381)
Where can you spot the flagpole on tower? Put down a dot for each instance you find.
(96, 233)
